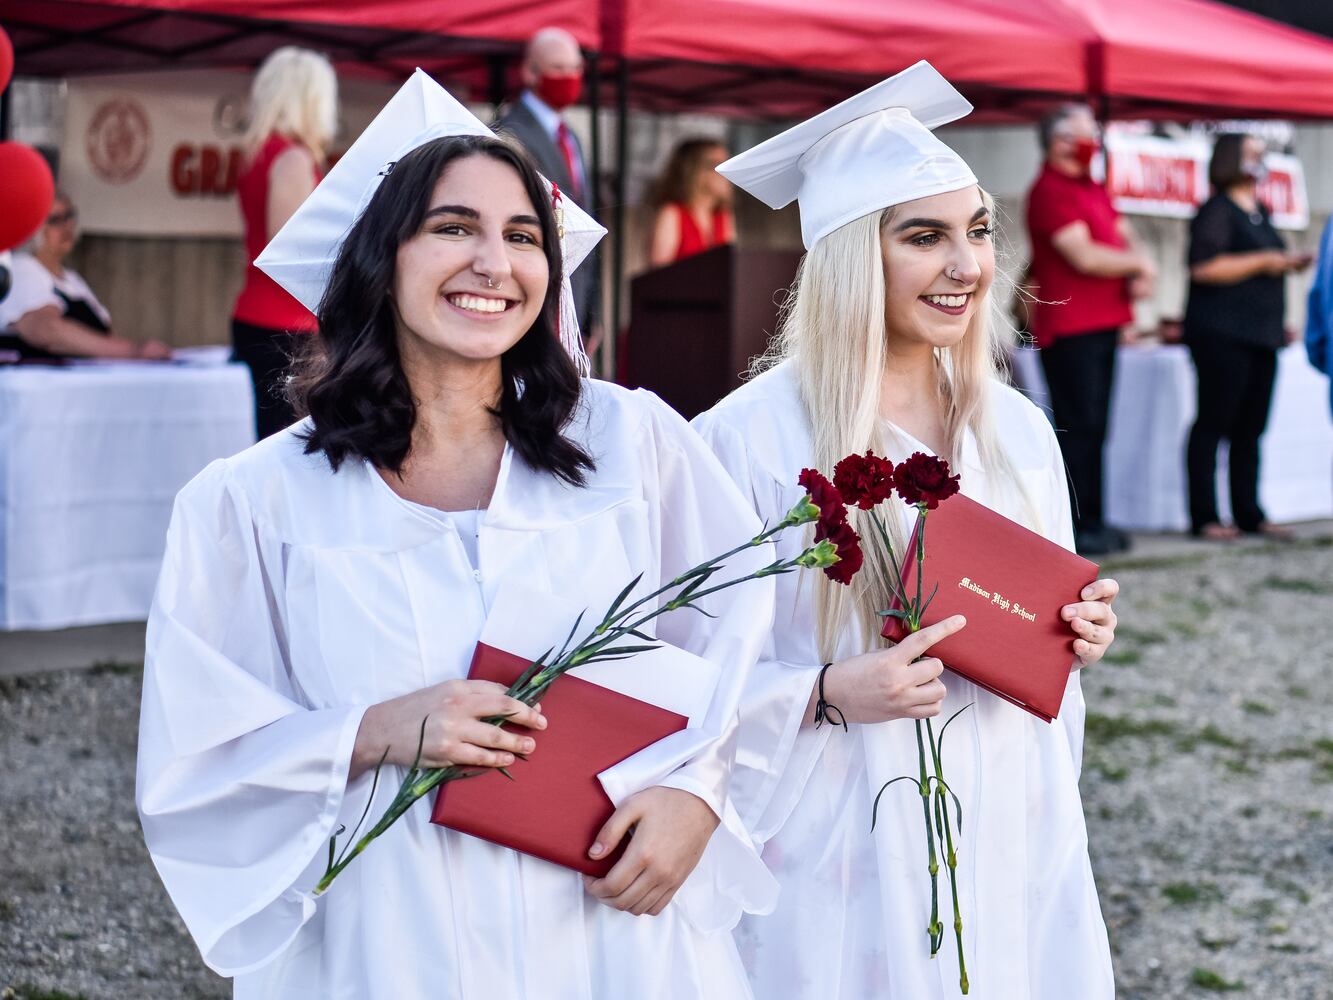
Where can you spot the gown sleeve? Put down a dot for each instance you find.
(775, 756)
(239, 781)
(699, 515)
(1058, 521)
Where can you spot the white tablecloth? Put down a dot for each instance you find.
(1152, 408)
(90, 460)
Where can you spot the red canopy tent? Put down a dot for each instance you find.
(1146, 58)
(472, 39)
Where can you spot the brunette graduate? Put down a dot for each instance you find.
(891, 342)
(323, 592)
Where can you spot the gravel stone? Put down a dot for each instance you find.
(1207, 784)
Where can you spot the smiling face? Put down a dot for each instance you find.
(938, 266)
(473, 279)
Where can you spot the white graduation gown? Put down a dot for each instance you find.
(292, 597)
(850, 922)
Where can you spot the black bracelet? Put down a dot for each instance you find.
(824, 711)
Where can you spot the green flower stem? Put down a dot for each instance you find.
(896, 582)
(951, 857)
(934, 929)
(598, 644)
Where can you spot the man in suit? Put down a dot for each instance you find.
(552, 79)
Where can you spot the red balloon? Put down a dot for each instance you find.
(6, 59)
(26, 192)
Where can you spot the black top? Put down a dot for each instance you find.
(1249, 311)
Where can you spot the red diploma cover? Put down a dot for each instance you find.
(1010, 583)
(555, 805)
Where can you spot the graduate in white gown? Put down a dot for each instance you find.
(323, 591)
(891, 342)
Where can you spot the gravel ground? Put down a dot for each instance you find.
(1208, 786)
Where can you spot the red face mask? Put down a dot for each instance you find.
(1085, 151)
(559, 92)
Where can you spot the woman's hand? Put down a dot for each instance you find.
(671, 829)
(1093, 621)
(454, 732)
(886, 684)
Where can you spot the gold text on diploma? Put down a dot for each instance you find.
(998, 599)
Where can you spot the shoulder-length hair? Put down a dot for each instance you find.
(832, 330)
(1224, 167)
(351, 381)
(680, 176)
(294, 93)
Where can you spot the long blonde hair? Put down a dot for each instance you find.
(832, 330)
(295, 93)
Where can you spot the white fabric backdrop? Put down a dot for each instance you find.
(91, 458)
(1152, 408)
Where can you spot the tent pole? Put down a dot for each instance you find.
(594, 134)
(612, 331)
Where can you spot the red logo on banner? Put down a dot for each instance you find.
(118, 140)
(1153, 177)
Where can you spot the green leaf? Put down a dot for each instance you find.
(899, 613)
(527, 675)
(874, 812)
(615, 605)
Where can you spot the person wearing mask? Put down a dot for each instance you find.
(1086, 267)
(50, 309)
(1233, 328)
(293, 119)
(692, 203)
(552, 75)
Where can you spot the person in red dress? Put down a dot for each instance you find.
(293, 119)
(692, 202)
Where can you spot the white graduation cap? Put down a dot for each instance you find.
(300, 257)
(869, 152)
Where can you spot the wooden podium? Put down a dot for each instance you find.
(695, 324)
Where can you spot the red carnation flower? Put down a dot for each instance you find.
(848, 544)
(864, 480)
(825, 496)
(924, 479)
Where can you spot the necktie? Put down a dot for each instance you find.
(566, 143)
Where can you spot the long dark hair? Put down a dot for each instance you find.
(351, 381)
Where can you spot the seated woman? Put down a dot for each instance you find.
(50, 309)
(692, 202)
(323, 592)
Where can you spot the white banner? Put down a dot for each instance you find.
(1154, 175)
(157, 154)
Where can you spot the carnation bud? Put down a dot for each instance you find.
(804, 512)
(819, 556)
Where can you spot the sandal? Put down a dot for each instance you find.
(1215, 531)
(1273, 532)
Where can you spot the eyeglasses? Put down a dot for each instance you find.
(60, 218)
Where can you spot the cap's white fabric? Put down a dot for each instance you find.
(869, 152)
(300, 257)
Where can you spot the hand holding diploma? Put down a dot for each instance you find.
(453, 733)
(1093, 621)
(670, 830)
(884, 684)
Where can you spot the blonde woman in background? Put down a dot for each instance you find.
(293, 120)
(890, 341)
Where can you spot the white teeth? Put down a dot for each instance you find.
(475, 303)
(948, 301)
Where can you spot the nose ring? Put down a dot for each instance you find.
(952, 274)
(491, 282)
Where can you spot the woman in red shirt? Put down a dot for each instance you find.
(293, 119)
(692, 202)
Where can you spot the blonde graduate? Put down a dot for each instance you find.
(892, 340)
